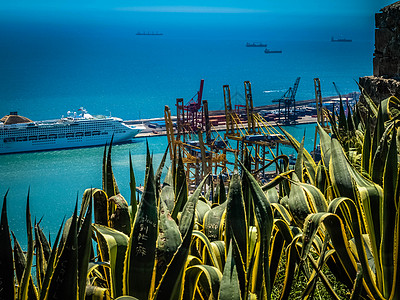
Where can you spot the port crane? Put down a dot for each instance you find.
(257, 136)
(190, 116)
(288, 103)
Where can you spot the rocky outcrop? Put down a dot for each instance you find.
(380, 88)
(386, 62)
(387, 42)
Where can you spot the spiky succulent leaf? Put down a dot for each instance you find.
(7, 287)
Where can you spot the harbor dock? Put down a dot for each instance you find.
(156, 126)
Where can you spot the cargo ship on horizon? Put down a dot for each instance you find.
(255, 44)
(340, 40)
(20, 134)
(149, 33)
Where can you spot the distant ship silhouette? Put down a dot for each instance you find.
(340, 40)
(149, 33)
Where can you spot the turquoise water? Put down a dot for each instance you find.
(56, 179)
(46, 71)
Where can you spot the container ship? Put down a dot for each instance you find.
(272, 51)
(340, 40)
(81, 129)
(255, 44)
(149, 33)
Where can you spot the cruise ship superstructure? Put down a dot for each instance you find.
(20, 134)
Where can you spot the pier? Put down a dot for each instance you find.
(156, 126)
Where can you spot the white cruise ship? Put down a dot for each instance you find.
(20, 134)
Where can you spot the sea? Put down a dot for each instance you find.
(47, 71)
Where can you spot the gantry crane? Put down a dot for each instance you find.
(190, 116)
(288, 101)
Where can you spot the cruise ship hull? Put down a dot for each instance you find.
(64, 134)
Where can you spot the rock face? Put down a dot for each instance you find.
(380, 88)
(386, 62)
(387, 42)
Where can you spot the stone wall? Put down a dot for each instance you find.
(387, 42)
(386, 62)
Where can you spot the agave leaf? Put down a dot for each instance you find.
(6, 256)
(280, 212)
(169, 239)
(339, 172)
(140, 255)
(264, 216)
(208, 251)
(132, 185)
(181, 189)
(379, 130)
(41, 263)
(168, 196)
(272, 195)
(388, 218)
(277, 180)
(86, 199)
(50, 265)
(170, 286)
(100, 204)
(311, 285)
(277, 244)
(222, 193)
(343, 129)
(126, 298)
(394, 108)
(230, 288)
(298, 167)
(336, 230)
(321, 179)
(379, 158)
(63, 284)
(368, 196)
(45, 243)
(96, 292)
(218, 248)
(371, 105)
(292, 258)
(213, 222)
(112, 246)
(84, 250)
(237, 228)
(315, 197)
(308, 160)
(350, 124)
(366, 151)
(120, 219)
(159, 171)
(202, 278)
(190, 208)
(23, 290)
(201, 209)
(20, 263)
(109, 183)
(299, 205)
(169, 178)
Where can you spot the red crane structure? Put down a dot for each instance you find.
(190, 117)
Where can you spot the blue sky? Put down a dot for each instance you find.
(337, 7)
(286, 18)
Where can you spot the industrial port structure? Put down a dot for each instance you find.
(209, 141)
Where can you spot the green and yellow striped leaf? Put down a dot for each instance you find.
(140, 255)
(112, 245)
(7, 287)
